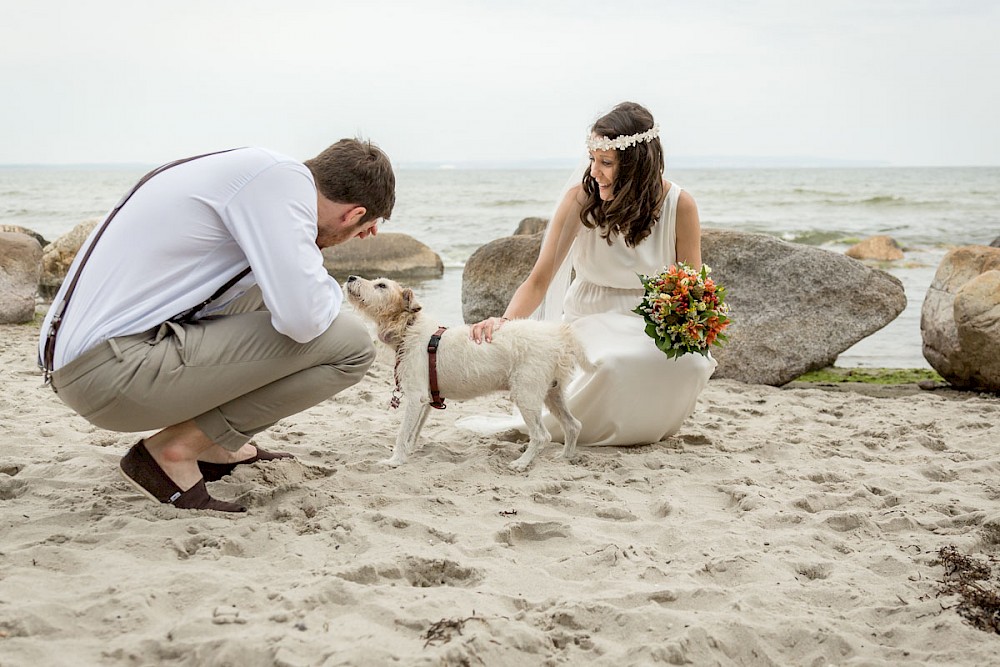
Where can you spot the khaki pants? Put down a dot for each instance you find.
(233, 374)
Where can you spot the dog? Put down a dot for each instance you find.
(533, 360)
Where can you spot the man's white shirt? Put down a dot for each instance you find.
(189, 230)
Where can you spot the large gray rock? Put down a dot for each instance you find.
(960, 318)
(529, 226)
(977, 319)
(59, 255)
(391, 255)
(24, 230)
(794, 308)
(20, 265)
(995, 243)
(494, 272)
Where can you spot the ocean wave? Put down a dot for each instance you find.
(814, 237)
(883, 201)
(776, 200)
(816, 191)
(879, 200)
(805, 197)
(500, 203)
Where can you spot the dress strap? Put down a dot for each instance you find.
(668, 219)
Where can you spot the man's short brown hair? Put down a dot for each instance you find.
(356, 172)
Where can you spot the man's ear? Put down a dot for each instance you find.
(410, 301)
(353, 216)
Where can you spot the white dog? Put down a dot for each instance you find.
(534, 360)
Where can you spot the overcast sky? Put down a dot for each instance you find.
(905, 82)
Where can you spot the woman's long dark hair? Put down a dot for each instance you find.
(638, 185)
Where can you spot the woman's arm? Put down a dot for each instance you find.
(688, 231)
(563, 228)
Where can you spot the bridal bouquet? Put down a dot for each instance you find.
(684, 310)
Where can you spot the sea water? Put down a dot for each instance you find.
(455, 211)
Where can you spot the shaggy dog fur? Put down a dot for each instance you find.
(533, 360)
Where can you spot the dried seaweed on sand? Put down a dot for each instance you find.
(976, 586)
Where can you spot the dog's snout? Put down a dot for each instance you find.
(351, 279)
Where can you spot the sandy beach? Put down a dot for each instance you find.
(793, 526)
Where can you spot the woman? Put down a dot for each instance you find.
(623, 219)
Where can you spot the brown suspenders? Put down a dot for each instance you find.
(60, 308)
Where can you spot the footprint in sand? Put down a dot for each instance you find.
(10, 469)
(615, 514)
(418, 572)
(524, 531)
(814, 571)
(11, 488)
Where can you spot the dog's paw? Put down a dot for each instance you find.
(519, 465)
(393, 461)
(568, 457)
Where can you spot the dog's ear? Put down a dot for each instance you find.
(410, 301)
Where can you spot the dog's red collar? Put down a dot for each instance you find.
(432, 346)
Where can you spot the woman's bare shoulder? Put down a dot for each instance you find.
(686, 203)
(576, 195)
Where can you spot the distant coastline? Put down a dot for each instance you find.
(80, 166)
(678, 162)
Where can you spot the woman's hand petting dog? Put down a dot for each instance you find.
(481, 331)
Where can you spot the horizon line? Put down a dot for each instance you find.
(679, 162)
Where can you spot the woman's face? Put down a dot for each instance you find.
(604, 169)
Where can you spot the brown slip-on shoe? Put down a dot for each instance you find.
(213, 472)
(142, 471)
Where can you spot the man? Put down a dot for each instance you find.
(154, 337)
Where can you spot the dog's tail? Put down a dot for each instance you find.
(573, 354)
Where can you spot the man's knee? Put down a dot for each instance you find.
(365, 358)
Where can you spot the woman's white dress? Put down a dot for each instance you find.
(637, 395)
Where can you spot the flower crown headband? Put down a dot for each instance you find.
(622, 142)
